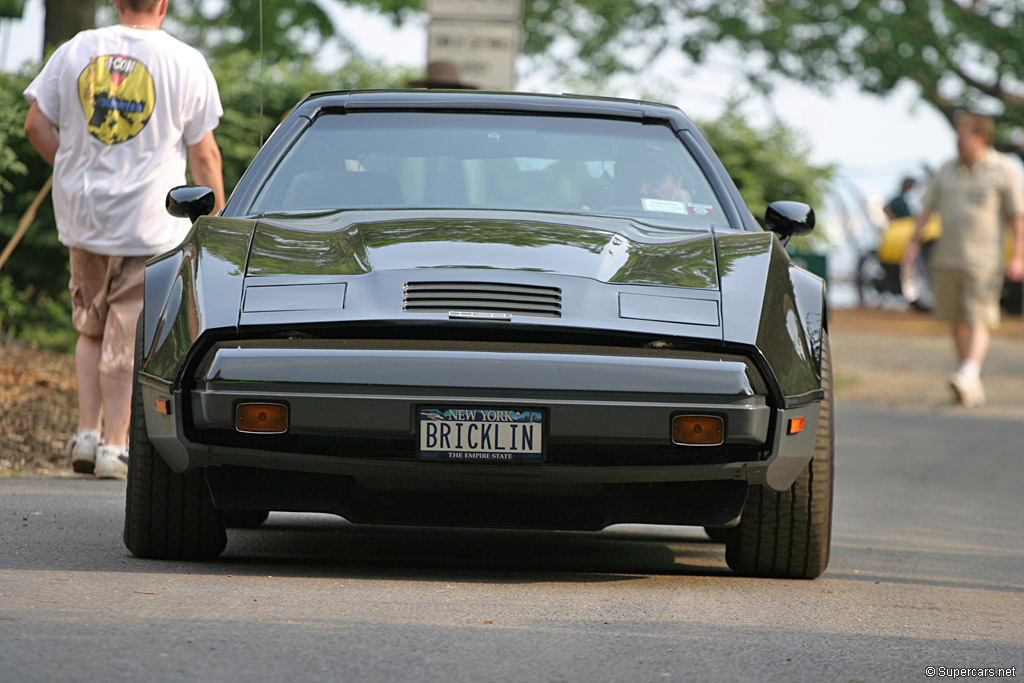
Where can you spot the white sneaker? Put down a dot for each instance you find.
(111, 462)
(969, 391)
(82, 450)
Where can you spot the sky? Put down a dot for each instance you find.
(873, 141)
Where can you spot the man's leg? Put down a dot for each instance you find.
(87, 373)
(117, 408)
(978, 314)
(115, 370)
(88, 310)
(117, 356)
(972, 342)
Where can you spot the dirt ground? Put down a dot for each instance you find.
(901, 361)
(898, 360)
(40, 410)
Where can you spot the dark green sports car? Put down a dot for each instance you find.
(479, 309)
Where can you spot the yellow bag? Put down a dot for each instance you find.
(897, 236)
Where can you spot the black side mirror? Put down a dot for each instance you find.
(190, 201)
(789, 219)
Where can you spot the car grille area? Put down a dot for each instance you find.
(485, 298)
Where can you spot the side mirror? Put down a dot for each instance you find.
(789, 219)
(190, 201)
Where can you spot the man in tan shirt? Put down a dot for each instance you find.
(976, 194)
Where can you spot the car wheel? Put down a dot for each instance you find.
(246, 519)
(788, 534)
(167, 515)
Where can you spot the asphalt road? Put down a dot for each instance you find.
(927, 571)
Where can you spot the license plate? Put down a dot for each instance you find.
(468, 434)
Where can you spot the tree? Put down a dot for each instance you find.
(285, 28)
(766, 164)
(65, 18)
(217, 27)
(959, 53)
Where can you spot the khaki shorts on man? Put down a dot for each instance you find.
(969, 296)
(106, 299)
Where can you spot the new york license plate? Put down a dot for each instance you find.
(466, 434)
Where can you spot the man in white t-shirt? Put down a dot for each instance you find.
(132, 106)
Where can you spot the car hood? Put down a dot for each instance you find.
(607, 250)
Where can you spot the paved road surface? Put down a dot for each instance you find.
(927, 570)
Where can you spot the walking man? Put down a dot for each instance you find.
(976, 194)
(119, 111)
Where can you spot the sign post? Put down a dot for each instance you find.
(481, 37)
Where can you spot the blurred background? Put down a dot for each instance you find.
(828, 102)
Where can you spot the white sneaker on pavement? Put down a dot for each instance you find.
(111, 462)
(969, 391)
(82, 450)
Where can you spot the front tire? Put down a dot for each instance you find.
(167, 515)
(789, 534)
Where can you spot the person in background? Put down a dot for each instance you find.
(441, 74)
(119, 112)
(975, 194)
(898, 206)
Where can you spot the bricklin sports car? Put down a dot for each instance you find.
(485, 310)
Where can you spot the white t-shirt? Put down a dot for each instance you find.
(128, 102)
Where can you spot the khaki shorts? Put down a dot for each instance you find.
(106, 299)
(964, 296)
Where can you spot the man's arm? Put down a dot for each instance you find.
(913, 249)
(42, 133)
(205, 163)
(1015, 267)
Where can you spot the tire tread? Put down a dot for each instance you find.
(168, 515)
(788, 534)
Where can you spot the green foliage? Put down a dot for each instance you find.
(36, 317)
(766, 164)
(290, 28)
(39, 260)
(961, 55)
(12, 133)
(34, 302)
(398, 10)
(12, 8)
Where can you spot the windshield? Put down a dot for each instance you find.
(490, 161)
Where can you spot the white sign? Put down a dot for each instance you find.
(495, 10)
(484, 51)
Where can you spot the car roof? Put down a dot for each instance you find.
(485, 101)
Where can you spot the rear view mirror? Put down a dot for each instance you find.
(190, 201)
(789, 219)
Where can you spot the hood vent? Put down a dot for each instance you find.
(482, 297)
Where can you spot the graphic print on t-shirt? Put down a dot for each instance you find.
(117, 96)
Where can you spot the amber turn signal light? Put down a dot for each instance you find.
(261, 418)
(796, 425)
(698, 430)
